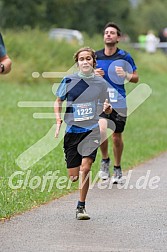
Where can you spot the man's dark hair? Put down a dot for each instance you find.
(111, 24)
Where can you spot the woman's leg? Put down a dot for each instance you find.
(73, 173)
(84, 177)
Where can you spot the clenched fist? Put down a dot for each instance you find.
(107, 108)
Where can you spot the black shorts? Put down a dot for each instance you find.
(79, 145)
(116, 120)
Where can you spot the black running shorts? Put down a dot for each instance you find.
(79, 145)
(116, 120)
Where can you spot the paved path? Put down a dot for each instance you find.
(131, 218)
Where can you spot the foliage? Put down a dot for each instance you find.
(84, 15)
(150, 15)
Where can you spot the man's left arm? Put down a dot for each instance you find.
(132, 77)
(5, 64)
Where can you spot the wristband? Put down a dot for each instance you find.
(59, 121)
(127, 76)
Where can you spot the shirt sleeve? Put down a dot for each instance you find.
(2, 47)
(62, 90)
(131, 66)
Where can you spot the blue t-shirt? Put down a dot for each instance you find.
(84, 99)
(2, 47)
(122, 59)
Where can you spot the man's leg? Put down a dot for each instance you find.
(105, 162)
(104, 139)
(117, 150)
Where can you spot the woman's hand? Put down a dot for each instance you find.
(99, 72)
(107, 108)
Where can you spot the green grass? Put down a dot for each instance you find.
(147, 137)
(18, 132)
(144, 136)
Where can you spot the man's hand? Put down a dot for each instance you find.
(107, 107)
(120, 72)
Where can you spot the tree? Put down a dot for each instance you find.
(150, 15)
(18, 13)
(84, 15)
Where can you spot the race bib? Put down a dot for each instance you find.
(113, 94)
(84, 111)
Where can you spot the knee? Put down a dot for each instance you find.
(85, 170)
(86, 167)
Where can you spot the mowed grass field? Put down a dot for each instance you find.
(22, 189)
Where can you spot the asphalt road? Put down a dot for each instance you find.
(127, 217)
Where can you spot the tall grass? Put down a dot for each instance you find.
(33, 51)
(144, 136)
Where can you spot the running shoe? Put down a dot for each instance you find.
(81, 213)
(117, 177)
(104, 172)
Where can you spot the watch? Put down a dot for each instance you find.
(2, 67)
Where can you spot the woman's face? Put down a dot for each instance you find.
(85, 62)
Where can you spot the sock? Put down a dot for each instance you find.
(117, 167)
(106, 160)
(80, 203)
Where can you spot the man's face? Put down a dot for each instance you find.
(110, 36)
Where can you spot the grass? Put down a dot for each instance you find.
(18, 132)
(144, 137)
